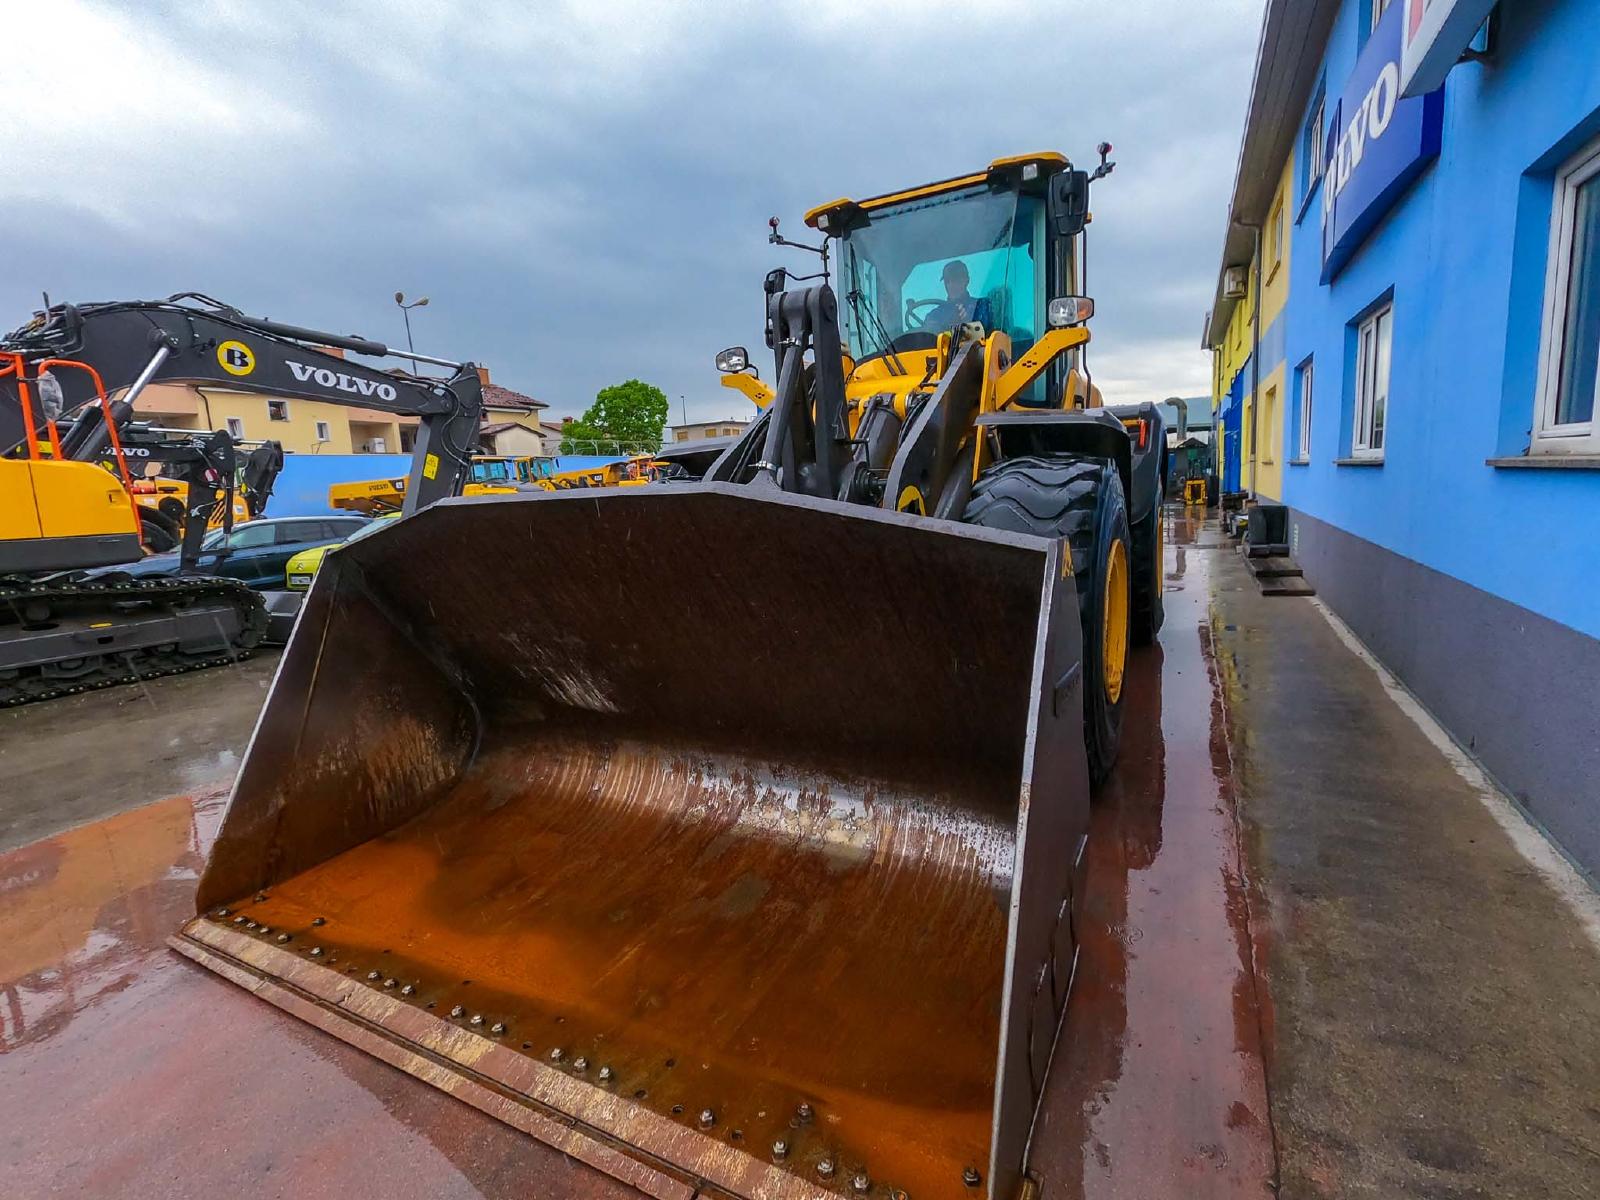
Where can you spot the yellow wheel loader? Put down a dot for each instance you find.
(761, 881)
(490, 475)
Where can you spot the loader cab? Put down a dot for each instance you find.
(901, 257)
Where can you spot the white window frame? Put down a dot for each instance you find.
(1275, 232)
(1303, 435)
(1377, 8)
(1576, 437)
(1374, 365)
(324, 432)
(1317, 150)
(235, 428)
(285, 405)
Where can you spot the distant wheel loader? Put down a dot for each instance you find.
(762, 881)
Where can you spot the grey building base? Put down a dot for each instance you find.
(1519, 691)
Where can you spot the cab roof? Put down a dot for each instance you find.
(827, 217)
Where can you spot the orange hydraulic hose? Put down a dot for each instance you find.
(19, 368)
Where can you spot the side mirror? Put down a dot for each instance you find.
(1068, 202)
(1064, 312)
(733, 360)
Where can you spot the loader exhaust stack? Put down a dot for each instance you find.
(727, 840)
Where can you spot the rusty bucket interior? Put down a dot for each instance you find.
(725, 840)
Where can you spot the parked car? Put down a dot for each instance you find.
(256, 552)
(302, 568)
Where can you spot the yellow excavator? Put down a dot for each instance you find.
(70, 501)
(765, 880)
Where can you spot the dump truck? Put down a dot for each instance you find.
(762, 881)
(69, 501)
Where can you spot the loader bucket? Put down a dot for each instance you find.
(726, 840)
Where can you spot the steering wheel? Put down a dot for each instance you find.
(914, 322)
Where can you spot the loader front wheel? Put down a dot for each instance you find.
(1079, 500)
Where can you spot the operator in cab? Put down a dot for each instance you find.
(959, 306)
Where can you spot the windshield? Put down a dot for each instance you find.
(921, 268)
(487, 470)
(531, 469)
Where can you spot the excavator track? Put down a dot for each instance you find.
(119, 630)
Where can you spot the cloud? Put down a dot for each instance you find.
(581, 188)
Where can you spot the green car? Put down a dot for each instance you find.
(302, 568)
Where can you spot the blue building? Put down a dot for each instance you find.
(1421, 181)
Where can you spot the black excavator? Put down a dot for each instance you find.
(69, 503)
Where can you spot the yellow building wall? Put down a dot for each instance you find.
(348, 428)
(1233, 345)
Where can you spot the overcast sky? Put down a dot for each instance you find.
(582, 189)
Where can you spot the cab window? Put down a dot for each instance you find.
(898, 268)
(250, 537)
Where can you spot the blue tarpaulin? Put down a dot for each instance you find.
(302, 487)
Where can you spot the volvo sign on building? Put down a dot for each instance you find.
(1378, 142)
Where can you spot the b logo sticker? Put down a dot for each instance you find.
(236, 358)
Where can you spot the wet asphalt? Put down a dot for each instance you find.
(1313, 964)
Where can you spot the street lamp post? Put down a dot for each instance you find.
(405, 310)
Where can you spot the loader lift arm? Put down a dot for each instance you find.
(193, 339)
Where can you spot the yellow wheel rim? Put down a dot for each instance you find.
(1114, 622)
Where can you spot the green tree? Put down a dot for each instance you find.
(624, 417)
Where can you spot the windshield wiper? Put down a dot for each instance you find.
(873, 324)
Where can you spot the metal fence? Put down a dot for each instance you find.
(603, 447)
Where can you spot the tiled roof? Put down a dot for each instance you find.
(495, 396)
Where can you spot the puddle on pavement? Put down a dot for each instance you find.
(1159, 1085)
(85, 915)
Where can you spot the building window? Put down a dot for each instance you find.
(1275, 239)
(1302, 450)
(1374, 340)
(1313, 141)
(324, 434)
(1376, 9)
(1269, 413)
(1569, 362)
(235, 428)
(277, 410)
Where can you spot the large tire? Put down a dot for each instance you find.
(1149, 607)
(159, 533)
(1079, 500)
